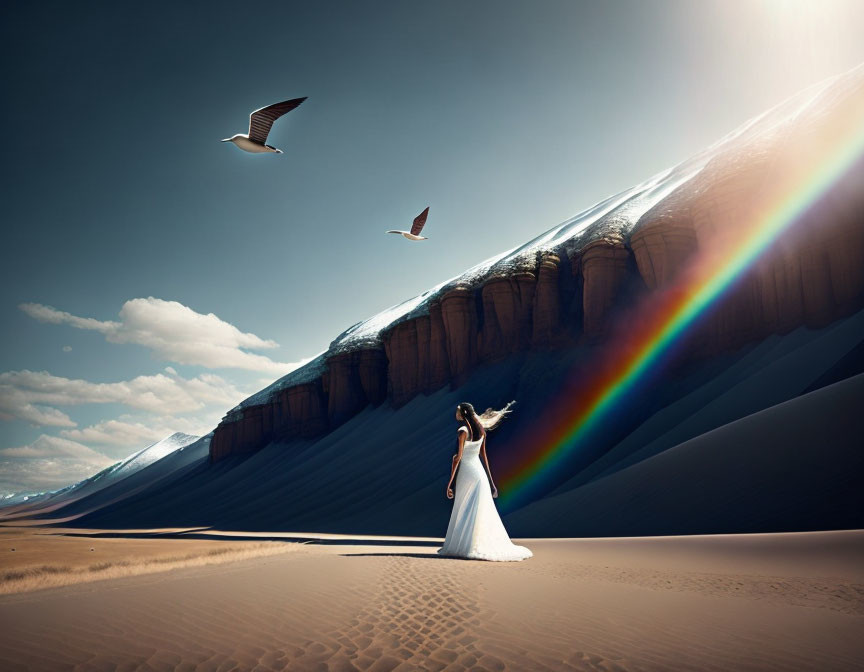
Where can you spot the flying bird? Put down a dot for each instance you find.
(416, 227)
(260, 122)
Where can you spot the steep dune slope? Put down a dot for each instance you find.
(794, 466)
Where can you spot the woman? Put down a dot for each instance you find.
(475, 529)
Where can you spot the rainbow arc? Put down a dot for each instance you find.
(667, 317)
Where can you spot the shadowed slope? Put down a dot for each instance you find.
(384, 470)
(796, 466)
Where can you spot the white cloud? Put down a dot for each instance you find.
(176, 333)
(120, 433)
(121, 436)
(31, 395)
(14, 406)
(158, 405)
(53, 316)
(55, 447)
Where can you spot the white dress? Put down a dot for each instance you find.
(475, 530)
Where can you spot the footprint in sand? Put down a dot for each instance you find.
(417, 620)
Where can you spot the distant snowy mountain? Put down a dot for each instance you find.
(150, 454)
(108, 476)
(18, 498)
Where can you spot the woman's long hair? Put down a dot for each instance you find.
(488, 420)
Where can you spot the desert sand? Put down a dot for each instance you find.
(35, 558)
(329, 602)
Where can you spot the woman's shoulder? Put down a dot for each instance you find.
(463, 428)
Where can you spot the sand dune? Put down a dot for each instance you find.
(793, 466)
(752, 602)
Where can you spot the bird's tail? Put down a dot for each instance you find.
(278, 151)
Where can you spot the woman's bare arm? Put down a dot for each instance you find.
(456, 459)
(488, 468)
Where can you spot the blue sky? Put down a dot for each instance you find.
(205, 272)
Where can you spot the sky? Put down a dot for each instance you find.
(153, 277)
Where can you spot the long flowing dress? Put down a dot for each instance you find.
(475, 530)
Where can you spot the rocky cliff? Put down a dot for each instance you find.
(565, 286)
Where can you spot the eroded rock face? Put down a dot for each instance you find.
(222, 443)
(353, 381)
(307, 410)
(507, 313)
(402, 346)
(247, 433)
(423, 330)
(663, 243)
(299, 411)
(438, 371)
(499, 319)
(546, 329)
(372, 369)
(345, 396)
(527, 284)
(459, 315)
(604, 268)
(814, 274)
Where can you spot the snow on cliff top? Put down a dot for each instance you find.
(612, 217)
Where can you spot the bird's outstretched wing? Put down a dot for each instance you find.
(419, 222)
(260, 121)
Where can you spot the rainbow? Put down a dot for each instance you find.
(662, 323)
